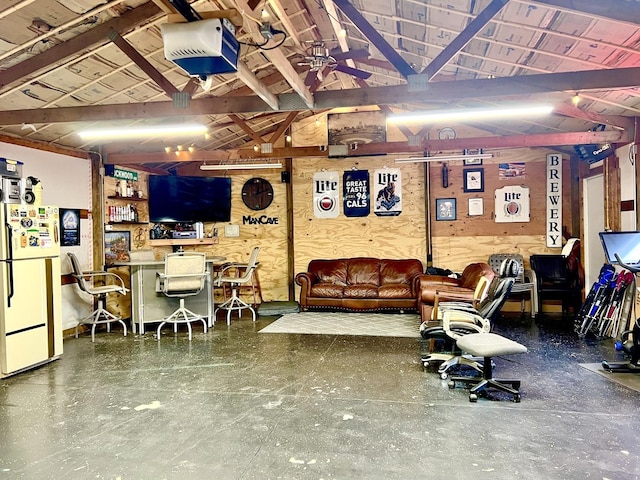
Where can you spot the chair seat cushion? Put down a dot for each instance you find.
(489, 345)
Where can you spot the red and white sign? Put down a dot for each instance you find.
(512, 204)
(326, 193)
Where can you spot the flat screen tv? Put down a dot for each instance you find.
(189, 199)
(625, 244)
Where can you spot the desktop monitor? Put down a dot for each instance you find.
(625, 244)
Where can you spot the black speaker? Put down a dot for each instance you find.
(285, 176)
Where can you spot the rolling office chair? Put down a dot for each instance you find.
(235, 303)
(486, 345)
(462, 319)
(89, 282)
(184, 275)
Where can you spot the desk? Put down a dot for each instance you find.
(150, 306)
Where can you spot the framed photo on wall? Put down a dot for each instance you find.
(116, 247)
(476, 207)
(473, 179)
(445, 208)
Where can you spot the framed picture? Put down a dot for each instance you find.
(476, 206)
(472, 161)
(116, 247)
(70, 227)
(357, 127)
(473, 179)
(445, 208)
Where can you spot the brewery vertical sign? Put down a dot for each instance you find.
(387, 188)
(325, 194)
(355, 184)
(554, 200)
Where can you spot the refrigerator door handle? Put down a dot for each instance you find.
(9, 262)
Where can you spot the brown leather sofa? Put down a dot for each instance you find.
(461, 288)
(360, 284)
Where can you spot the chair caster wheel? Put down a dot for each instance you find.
(473, 397)
(425, 364)
(516, 398)
(444, 375)
(451, 384)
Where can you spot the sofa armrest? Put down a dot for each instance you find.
(306, 281)
(427, 285)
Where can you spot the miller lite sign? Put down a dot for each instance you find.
(387, 190)
(326, 194)
(512, 204)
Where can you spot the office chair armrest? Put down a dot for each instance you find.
(470, 320)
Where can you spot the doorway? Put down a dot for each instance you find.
(593, 208)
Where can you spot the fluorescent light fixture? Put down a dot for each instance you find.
(240, 166)
(143, 132)
(443, 158)
(471, 114)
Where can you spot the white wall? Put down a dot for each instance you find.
(66, 182)
(627, 186)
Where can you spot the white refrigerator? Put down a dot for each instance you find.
(30, 287)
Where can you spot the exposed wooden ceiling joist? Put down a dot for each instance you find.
(392, 95)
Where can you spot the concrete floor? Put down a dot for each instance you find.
(236, 404)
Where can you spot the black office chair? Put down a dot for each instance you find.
(463, 319)
(559, 277)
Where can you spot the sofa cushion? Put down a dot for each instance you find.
(396, 290)
(363, 271)
(329, 271)
(329, 290)
(361, 291)
(399, 271)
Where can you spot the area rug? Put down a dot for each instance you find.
(338, 323)
(630, 380)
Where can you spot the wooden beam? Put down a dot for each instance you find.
(615, 121)
(464, 37)
(355, 97)
(247, 77)
(98, 35)
(246, 128)
(46, 147)
(144, 64)
(283, 126)
(388, 51)
(278, 59)
(513, 141)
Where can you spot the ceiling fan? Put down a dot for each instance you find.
(318, 58)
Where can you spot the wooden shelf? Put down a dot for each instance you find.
(128, 199)
(183, 241)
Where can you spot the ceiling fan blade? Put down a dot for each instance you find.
(353, 54)
(352, 71)
(311, 77)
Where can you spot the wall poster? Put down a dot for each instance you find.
(387, 188)
(70, 221)
(356, 198)
(357, 127)
(512, 204)
(325, 194)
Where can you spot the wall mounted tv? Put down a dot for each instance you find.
(189, 199)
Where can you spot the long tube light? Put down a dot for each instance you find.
(470, 114)
(240, 166)
(143, 132)
(443, 158)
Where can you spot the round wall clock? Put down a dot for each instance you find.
(257, 193)
(447, 133)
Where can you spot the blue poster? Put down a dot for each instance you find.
(356, 196)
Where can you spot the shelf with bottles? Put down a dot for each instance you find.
(127, 199)
(121, 214)
(127, 190)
